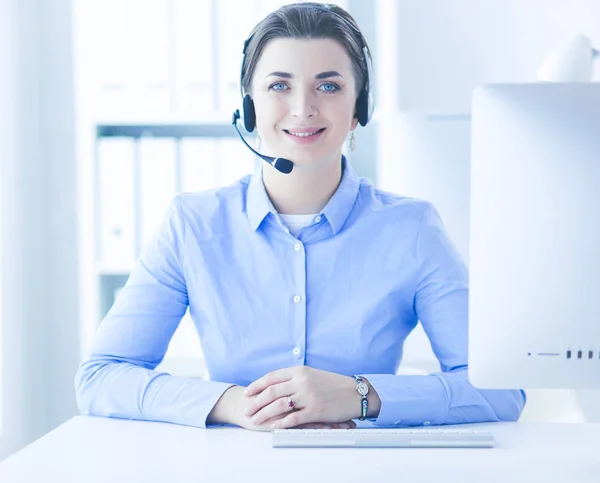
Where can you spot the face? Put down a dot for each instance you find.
(304, 95)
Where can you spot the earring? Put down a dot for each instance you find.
(352, 141)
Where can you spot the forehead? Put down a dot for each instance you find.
(303, 57)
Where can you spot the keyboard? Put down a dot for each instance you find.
(381, 438)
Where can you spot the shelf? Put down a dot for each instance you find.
(120, 271)
(166, 130)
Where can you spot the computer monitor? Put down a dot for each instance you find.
(534, 242)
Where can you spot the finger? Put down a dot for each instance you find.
(278, 407)
(275, 377)
(294, 418)
(266, 426)
(266, 397)
(345, 425)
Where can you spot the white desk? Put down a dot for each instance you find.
(91, 450)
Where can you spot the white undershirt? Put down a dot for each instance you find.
(295, 223)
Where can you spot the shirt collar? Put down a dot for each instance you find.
(258, 204)
(341, 203)
(337, 210)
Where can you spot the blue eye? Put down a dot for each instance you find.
(278, 86)
(329, 87)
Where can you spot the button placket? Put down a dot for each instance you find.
(299, 302)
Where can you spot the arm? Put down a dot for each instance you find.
(441, 304)
(118, 378)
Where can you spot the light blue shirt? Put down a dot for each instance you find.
(341, 297)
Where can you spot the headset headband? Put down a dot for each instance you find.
(328, 7)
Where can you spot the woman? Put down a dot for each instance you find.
(302, 286)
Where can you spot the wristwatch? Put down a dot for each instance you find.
(363, 390)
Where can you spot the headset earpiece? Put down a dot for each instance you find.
(249, 114)
(364, 103)
(362, 108)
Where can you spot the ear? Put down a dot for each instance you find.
(354, 123)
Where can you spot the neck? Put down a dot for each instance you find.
(303, 191)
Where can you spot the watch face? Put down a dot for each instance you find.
(362, 388)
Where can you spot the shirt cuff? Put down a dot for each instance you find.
(216, 393)
(184, 400)
(409, 400)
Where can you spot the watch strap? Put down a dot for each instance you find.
(364, 402)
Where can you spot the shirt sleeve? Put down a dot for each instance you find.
(441, 304)
(118, 377)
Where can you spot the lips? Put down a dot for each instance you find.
(304, 132)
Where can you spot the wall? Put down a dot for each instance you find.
(39, 271)
(446, 48)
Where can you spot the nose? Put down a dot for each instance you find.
(303, 103)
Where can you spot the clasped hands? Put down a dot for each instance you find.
(321, 399)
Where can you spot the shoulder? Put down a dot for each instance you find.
(393, 206)
(206, 202)
(202, 209)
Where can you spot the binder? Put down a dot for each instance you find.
(193, 58)
(149, 24)
(157, 164)
(112, 67)
(116, 204)
(200, 166)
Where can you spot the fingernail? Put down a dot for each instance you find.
(246, 391)
(326, 426)
(344, 426)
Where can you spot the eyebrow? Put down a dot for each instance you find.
(322, 75)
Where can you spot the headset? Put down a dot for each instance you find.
(364, 102)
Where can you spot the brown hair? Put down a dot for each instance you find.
(308, 20)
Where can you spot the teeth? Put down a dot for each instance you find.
(303, 134)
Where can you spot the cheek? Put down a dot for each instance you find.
(342, 108)
(345, 117)
(267, 120)
(267, 111)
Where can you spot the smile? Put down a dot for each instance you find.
(304, 134)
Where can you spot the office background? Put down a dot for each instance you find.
(85, 86)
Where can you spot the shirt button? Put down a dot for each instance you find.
(296, 351)
(297, 247)
(317, 219)
(297, 299)
(426, 423)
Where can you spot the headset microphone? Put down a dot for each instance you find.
(282, 165)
